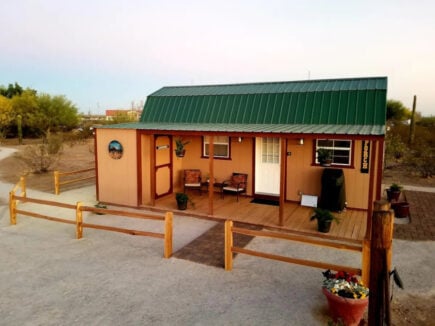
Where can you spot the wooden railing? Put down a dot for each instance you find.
(230, 248)
(79, 209)
(58, 183)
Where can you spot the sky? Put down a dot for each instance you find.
(108, 54)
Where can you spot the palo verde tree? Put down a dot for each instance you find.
(58, 112)
(6, 115)
(37, 114)
(396, 111)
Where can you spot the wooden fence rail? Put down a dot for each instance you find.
(58, 174)
(79, 209)
(230, 248)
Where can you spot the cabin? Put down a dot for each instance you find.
(270, 132)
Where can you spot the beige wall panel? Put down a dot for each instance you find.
(305, 178)
(117, 178)
(241, 161)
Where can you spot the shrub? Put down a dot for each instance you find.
(40, 158)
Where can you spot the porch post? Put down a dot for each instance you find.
(153, 170)
(371, 189)
(380, 171)
(282, 180)
(367, 238)
(210, 168)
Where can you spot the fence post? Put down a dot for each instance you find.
(56, 182)
(168, 235)
(380, 264)
(365, 274)
(23, 186)
(79, 220)
(228, 245)
(12, 208)
(379, 205)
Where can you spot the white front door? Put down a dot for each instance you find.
(267, 166)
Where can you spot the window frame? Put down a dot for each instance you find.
(351, 150)
(204, 143)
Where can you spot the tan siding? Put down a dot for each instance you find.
(117, 178)
(303, 177)
(241, 161)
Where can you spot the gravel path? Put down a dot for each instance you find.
(47, 277)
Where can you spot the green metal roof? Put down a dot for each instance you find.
(354, 106)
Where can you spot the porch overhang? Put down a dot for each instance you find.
(256, 129)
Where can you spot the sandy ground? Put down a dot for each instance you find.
(47, 277)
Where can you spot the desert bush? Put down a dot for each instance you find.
(39, 158)
(421, 157)
(395, 148)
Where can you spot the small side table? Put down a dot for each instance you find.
(217, 185)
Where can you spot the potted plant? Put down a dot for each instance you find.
(393, 192)
(324, 219)
(100, 205)
(324, 156)
(182, 200)
(347, 297)
(179, 147)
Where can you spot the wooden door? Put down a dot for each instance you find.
(163, 166)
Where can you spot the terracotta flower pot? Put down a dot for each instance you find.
(348, 311)
(401, 209)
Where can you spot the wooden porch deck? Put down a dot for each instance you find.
(352, 226)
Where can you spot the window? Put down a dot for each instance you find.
(270, 151)
(341, 150)
(221, 146)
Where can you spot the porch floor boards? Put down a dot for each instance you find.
(352, 226)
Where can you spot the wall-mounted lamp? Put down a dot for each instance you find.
(240, 139)
(162, 147)
(301, 141)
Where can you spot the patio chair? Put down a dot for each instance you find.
(192, 179)
(237, 184)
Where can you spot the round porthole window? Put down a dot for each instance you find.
(115, 149)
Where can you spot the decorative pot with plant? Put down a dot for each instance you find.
(324, 156)
(347, 297)
(393, 193)
(324, 219)
(179, 147)
(182, 200)
(100, 205)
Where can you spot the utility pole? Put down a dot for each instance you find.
(412, 125)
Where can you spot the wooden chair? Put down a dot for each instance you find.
(192, 179)
(237, 184)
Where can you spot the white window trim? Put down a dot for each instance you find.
(332, 148)
(206, 142)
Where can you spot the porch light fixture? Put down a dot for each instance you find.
(240, 139)
(301, 141)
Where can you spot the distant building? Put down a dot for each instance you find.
(131, 113)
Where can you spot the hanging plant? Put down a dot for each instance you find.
(180, 151)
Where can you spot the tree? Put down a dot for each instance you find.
(396, 111)
(11, 91)
(123, 117)
(6, 115)
(26, 106)
(58, 112)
